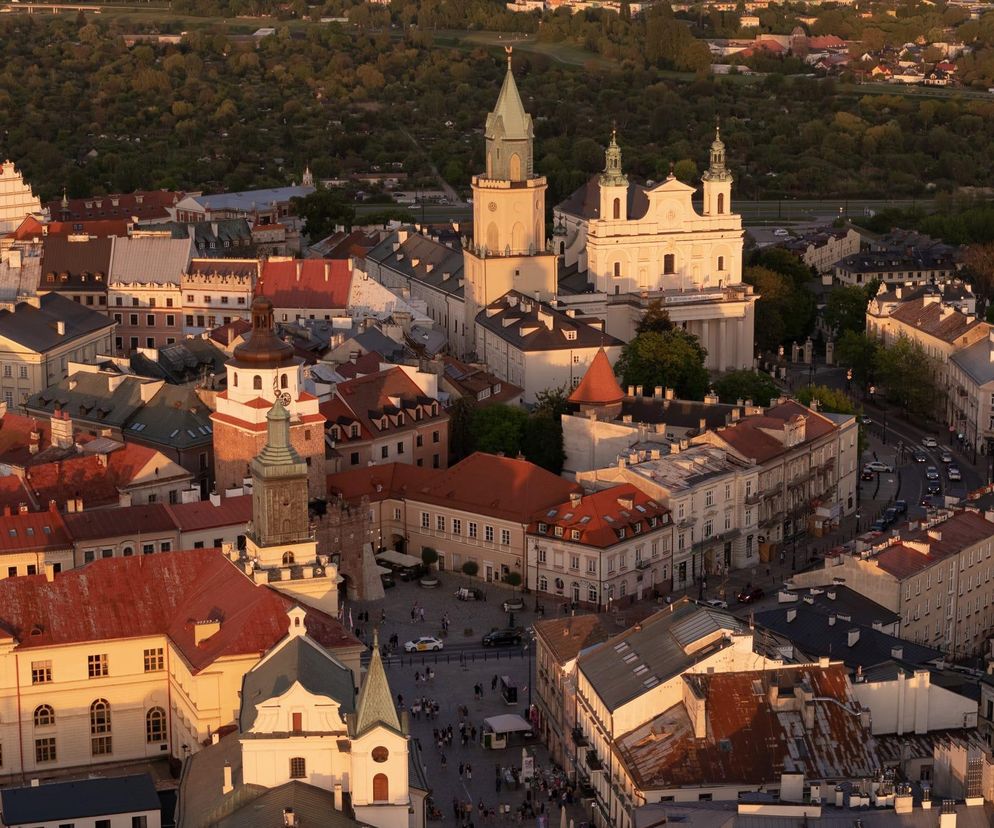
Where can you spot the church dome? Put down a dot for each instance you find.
(263, 347)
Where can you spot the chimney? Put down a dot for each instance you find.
(35, 783)
(338, 796)
(49, 571)
(638, 390)
(669, 394)
(631, 390)
(215, 499)
(574, 499)
(947, 816)
(657, 392)
(289, 818)
(853, 637)
(791, 615)
(327, 270)
(711, 398)
(62, 429)
(300, 266)
(227, 787)
(897, 651)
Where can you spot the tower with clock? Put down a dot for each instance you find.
(508, 250)
(262, 371)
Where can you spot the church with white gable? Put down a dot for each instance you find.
(624, 245)
(308, 749)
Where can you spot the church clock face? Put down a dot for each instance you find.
(492, 206)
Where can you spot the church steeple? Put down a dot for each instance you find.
(717, 179)
(375, 705)
(613, 175)
(717, 171)
(509, 134)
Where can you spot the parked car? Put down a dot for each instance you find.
(502, 638)
(866, 474)
(954, 473)
(946, 457)
(469, 594)
(513, 605)
(717, 603)
(865, 420)
(901, 507)
(387, 580)
(879, 525)
(877, 466)
(427, 643)
(890, 516)
(931, 473)
(926, 502)
(930, 442)
(780, 231)
(920, 456)
(750, 596)
(933, 488)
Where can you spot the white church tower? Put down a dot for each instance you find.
(717, 180)
(613, 184)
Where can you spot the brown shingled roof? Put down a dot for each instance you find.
(599, 385)
(929, 319)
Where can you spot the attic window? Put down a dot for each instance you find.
(652, 523)
(628, 659)
(31, 531)
(570, 335)
(609, 519)
(725, 745)
(13, 533)
(621, 533)
(637, 527)
(559, 531)
(575, 534)
(543, 527)
(47, 530)
(173, 433)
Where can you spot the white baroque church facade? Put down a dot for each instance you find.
(638, 243)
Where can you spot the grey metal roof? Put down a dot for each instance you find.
(175, 417)
(149, 260)
(36, 328)
(679, 413)
(249, 200)
(536, 326)
(299, 660)
(659, 644)
(977, 361)
(311, 806)
(438, 266)
(78, 799)
(108, 399)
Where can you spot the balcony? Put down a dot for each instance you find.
(754, 498)
(593, 761)
(578, 738)
(641, 564)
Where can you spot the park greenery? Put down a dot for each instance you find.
(224, 111)
(832, 400)
(746, 385)
(509, 430)
(670, 359)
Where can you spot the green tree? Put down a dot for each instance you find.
(497, 429)
(461, 428)
(552, 402)
(746, 385)
(470, 568)
(542, 442)
(829, 399)
(513, 579)
(845, 309)
(908, 376)
(322, 210)
(429, 557)
(656, 318)
(857, 351)
(673, 359)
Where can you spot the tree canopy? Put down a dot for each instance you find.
(672, 359)
(746, 385)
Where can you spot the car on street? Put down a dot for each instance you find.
(879, 525)
(750, 596)
(780, 231)
(954, 474)
(513, 605)
(502, 638)
(946, 457)
(930, 442)
(877, 466)
(864, 420)
(717, 603)
(866, 474)
(931, 473)
(890, 516)
(933, 488)
(920, 456)
(926, 502)
(425, 644)
(901, 507)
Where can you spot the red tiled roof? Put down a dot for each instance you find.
(929, 319)
(29, 228)
(826, 42)
(102, 229)
(13, 493)
(599, 385)
(947, 538)
(501, 487)
(306, 283)
(229, 334)
(599, 515)
(153, 205)
(111, 523)
(357, 243)
(751, 436)
(365, 364)
(165, 594)
(391, 480)
(15, 438)
(33, 531)
(202, 514)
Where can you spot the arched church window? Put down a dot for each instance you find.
(381, 788)
(721, 263)
(669, 263)
(617, 270)
(235, 374)
(515, 167)
(257, 383)
(287, 558)
(721, 203)
(617, 208)
(284, 381)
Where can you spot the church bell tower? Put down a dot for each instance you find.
(717, 180)
(613, 184)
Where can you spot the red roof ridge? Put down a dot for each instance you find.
(599, 385)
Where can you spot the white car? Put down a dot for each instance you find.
(717, 603)
(780, 232)
(954, 474)
(930, 442)
(425, 644)
(877, 466)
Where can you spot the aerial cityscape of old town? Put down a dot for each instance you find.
(559, 413)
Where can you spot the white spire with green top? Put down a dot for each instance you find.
(375, 706)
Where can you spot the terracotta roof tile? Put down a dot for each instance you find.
(599, 385)
(306, 283)
(202, 514)
(162, 594)
(109, 523)
(599, 516)
(33, 531)
(566, 637)
(936, 320)
(498, 486)
(390, 480)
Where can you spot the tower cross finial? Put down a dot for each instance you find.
(717, 126)
(508, 49)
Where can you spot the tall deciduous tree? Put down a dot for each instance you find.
(858, 351)
(746, 385)
(908, 376)
(845, 309)
(673, 359)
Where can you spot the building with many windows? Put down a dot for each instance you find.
(606, 546)
(217, 292)
(149, 670)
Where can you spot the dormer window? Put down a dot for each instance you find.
(575, 534)
(637, 527)
(621, 534)
(570, 335)
(354, 431)
(559, 531)
(652, 523)
(543, 528)
(335, 433)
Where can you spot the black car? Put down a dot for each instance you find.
(933, 488)
(878, 525)
(920, 457)
(502, 638)
(750, 596)
(901, 507)
(890, 516)
(866, 474)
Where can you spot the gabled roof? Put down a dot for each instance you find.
(203, 514)
(598, 517)
(33, 531)
(36, 328)
(375, 706)
(936, 319)
(298, 660)
(501, 487)
(75, 259)
(79, 799)
(94, 524)
(425, 260)
(96, 397)
(529, 325)
(163, 594)
(321, 284)
(389, 480)
(146, 204)
(585, 202)
(150, 260)
(599, 385)
(568, 637)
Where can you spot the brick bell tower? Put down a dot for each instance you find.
(264, 370)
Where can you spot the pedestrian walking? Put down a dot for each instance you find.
(493, 683)
(469, 771)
